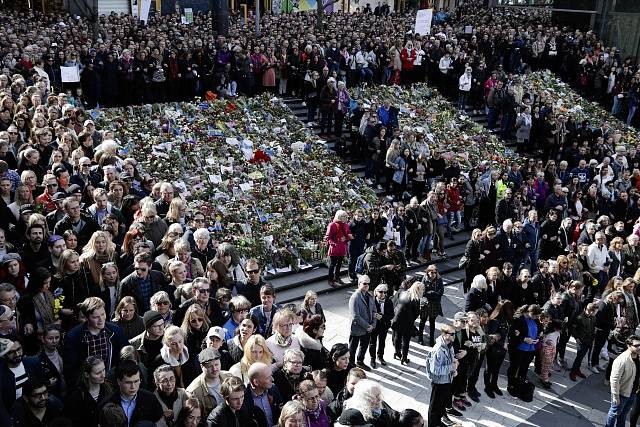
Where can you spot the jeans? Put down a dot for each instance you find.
(361, 341)
(632, 112)
(599, 340)
(617, 106)
(365, 74)
(311, 112)
(457, 216)
(618, 413)
(463, 97)
(426, 243)
(335, 264)
(491, 118)
(583, 349)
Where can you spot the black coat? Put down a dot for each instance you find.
(81, 409)
(223, 416)
(387, 316)
(147, 406)
(406, 312)
(475, 299)
(315, 354)
(129, 287)
(256, 413)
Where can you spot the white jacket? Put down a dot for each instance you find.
(464, 82)
(597, 257)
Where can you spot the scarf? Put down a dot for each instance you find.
(282, 341)
(43, 303)
(95, 264)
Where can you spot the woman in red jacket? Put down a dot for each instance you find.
(337, 237)
(407, 56)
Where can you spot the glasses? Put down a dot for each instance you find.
(448, 333)
(197, 319)
(242, 310)
(162, 303)
(253, 271)
(382, 292)
(204, 290)
(295, 362)
(167, 380)
(636, 345)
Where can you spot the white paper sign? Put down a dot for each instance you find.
(70, 74)
(423, 22)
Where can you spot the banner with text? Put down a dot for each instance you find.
(423, 22)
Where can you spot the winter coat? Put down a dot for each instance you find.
(337, 236)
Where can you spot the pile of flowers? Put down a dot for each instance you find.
(268, 185)
(566, 100)
(454, 134)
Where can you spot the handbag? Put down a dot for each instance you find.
(442, 220)
(464, 261)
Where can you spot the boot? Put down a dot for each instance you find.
(427, 255)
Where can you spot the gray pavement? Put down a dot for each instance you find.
(584, 403)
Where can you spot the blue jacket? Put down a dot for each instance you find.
(440, 363)
(264, 324)
(400, 172)
(531, 234)
(76, 351)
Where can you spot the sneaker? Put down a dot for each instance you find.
(594, 369)
(304, 104)
(446, 421)
(459, 405)
(379, 187)
(454, 412)
(465, 401)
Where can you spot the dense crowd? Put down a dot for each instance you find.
(116, 307)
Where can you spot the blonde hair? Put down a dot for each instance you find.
(415, 291)
(171, 332)
(247, 358)
(194, 311)
(89, 250)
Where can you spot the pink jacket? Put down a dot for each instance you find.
(337, 237)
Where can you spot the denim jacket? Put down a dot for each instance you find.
(440, 363)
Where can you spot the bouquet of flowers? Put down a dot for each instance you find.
(268, 185)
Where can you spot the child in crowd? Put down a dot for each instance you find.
(548, 351)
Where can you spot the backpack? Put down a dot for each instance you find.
(360, 268)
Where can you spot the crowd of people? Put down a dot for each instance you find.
(116, 307)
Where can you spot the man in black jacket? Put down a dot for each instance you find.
(506, 208)
(334, 409)
(231, 413)
(384, 315)
(261, 399)
(138, 404)
(143, 282)
(605, 323)
(83, 225)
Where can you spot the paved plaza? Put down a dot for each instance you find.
(572, 404)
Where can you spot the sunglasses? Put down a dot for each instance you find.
(197, 319)
(253, 271)
(162, 303)
(204, 291)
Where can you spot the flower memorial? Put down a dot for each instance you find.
(269, 186)
(566, 100)
(455, 135)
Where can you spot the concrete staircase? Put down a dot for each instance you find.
(292, 286)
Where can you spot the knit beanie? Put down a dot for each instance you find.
(151, 317)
